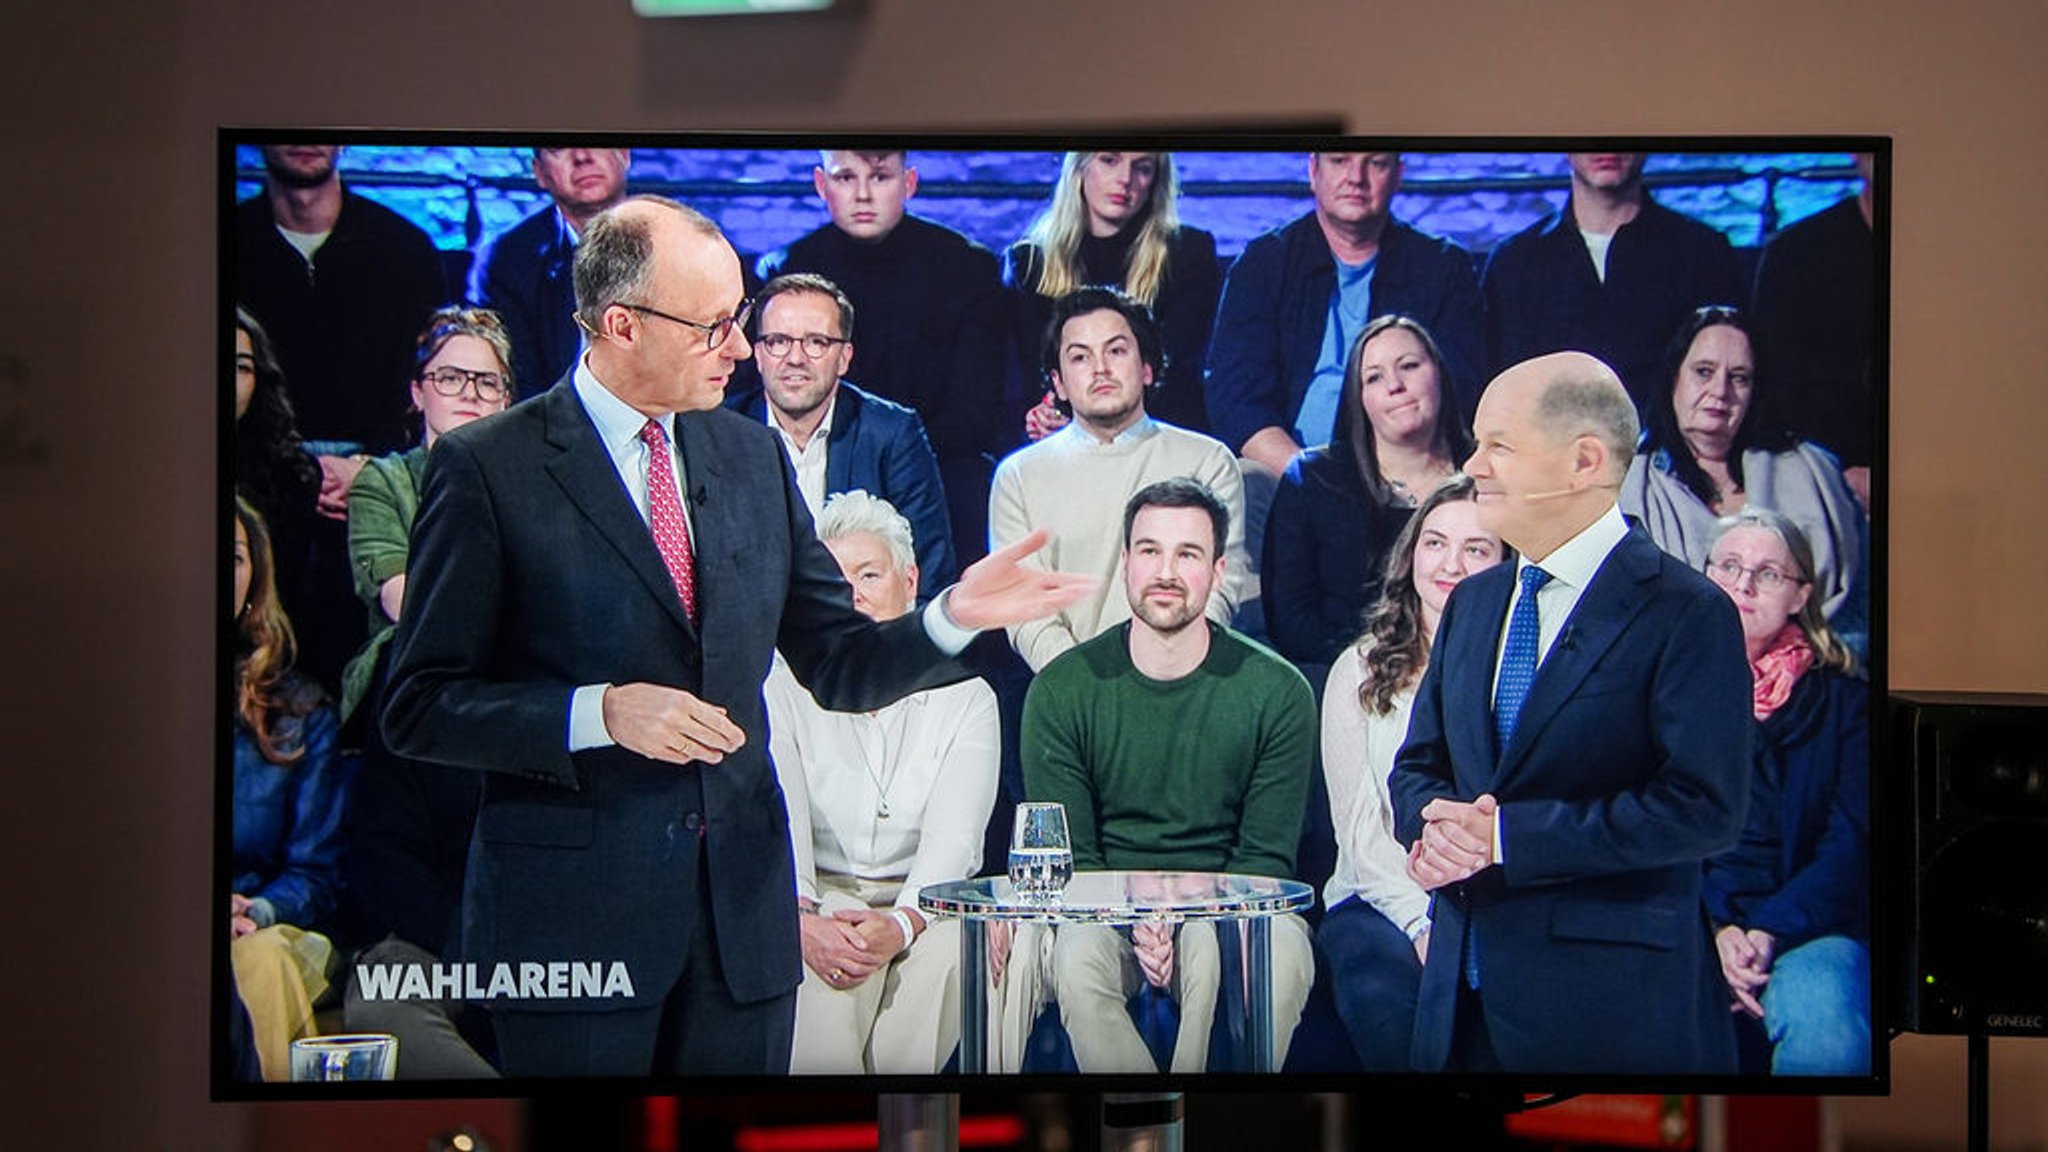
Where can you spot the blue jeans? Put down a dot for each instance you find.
(1817, 1009)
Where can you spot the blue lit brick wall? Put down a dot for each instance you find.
(763, 198)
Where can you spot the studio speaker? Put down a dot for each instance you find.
(1977, 920)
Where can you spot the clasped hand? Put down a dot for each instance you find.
(663, 723)
(1152, 942)
(1456, 842)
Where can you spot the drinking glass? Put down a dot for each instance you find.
(358, 1056)
(1041, 856)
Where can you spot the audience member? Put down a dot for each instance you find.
(524, 275)
(1816, 316)
(272, 469)
(1101, 351)
(1714, 446)
(1295, 302)
(1791, 903)
(287, 814)
(1174, 744)
(838, 437)
(1375, 932)
(1608, 274)
(933, 321)
(1114, 221)
(410, 825)
(463, 373)
(1339, 507)
(881, 986)
(1578, 746)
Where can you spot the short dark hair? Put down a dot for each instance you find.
(616, 258)
(810, 282)
(1151, 347)
(1180, 492)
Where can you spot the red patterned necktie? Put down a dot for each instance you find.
(665, 516)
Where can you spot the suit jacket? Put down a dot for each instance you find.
(525, 276)
(1629, 766)
(880, 446)
(532, 573)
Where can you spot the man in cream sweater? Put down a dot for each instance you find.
(1102, 351)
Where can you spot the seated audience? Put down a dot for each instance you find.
(524, 274)
(1816, 293)
(1174, 744)
(1101, 350)
(273, 470)
(287, 814)
(839, 437)
(1339, 507)
(1295, 302)
(934, 331)
(881, 803)
(1375, 932)
(1114, 221)
(1713, 445)
(1791, 902)
(1608, 273)
(462, 373)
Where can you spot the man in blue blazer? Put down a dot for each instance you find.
(839, 437)
(598, 577)
(1579, 745)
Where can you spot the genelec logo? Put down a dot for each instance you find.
(2005, 1020)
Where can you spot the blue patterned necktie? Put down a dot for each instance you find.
(1518, 658)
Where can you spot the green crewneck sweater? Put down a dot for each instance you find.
(1209, 772)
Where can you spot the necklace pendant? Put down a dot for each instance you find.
(882, 810)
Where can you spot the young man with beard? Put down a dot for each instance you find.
(839, 437)
(1175, 744)
(1102, 353)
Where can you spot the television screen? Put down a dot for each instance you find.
(1228, 610)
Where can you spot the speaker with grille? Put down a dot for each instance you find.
(1977, 915)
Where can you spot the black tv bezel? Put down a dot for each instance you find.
(1890, 842)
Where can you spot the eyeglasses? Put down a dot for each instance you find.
(816, 346)
(714, 332)
(1728, 572)
(451, 382)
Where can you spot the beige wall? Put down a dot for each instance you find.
(107, 291)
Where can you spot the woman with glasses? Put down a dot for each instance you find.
(1713, 444)
(1375, 932)
(462, 372)
(1114, 221)
(1791, 902)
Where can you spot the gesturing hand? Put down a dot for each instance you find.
(998, 590)
(669, 724)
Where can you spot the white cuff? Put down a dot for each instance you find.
(586, 719)
(904, 922)
(951, 638)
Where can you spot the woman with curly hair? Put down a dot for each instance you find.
(287, 811)
(1375, 931)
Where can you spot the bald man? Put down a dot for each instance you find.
(1579, 745)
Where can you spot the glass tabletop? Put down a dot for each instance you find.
(1121, 898)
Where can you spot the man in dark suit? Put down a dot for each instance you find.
(839, 437)
(525, 273)
(598, 649)
(1578, 746)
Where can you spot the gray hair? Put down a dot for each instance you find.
(616, 257)
(1591, 403)
(858, 512)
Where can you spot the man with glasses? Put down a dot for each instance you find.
(524, 273)
(839, 437)
(599, 579)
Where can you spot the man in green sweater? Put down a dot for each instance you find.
(1175, 744)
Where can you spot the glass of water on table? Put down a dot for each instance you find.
(1041, 856)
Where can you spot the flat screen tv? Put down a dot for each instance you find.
(450, 636)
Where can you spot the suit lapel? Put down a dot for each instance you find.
(584, 470)
(1618, 592)
(845, 422)
(1484, 600)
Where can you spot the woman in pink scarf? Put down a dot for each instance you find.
(1791, 902)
